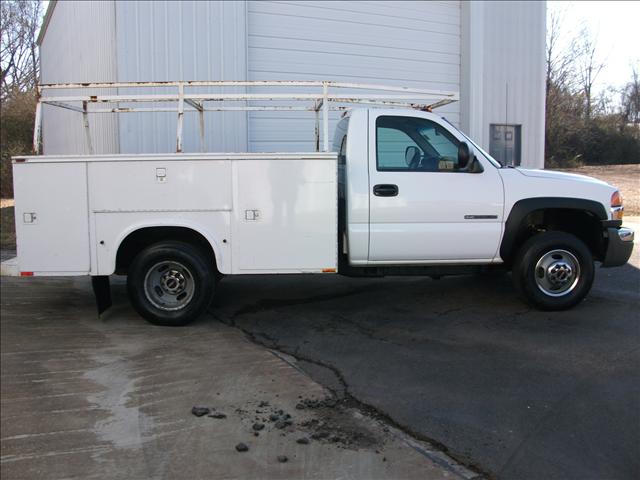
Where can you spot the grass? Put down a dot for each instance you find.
(625, 177)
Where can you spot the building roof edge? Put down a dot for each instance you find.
(45, 22)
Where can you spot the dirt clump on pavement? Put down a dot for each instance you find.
(241, 447)
(200, 411)
(324, 420)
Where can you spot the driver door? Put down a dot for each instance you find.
(423, 209)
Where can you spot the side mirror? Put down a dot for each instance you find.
(465, 156)
(412, 156)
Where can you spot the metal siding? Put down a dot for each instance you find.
(415, 44)
(514, 44)
(78, 46)
(402, 43)
(189, 40)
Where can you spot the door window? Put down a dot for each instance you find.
(414, 144)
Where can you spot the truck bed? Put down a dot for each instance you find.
(262, 213)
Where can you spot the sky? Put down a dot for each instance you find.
(614, 25)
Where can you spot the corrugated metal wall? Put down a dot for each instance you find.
(414, 44)
(419, 44)
(79, 46)
(514, 73)
(181, 40)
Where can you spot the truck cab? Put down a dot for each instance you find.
(408, 179)
(422, 194)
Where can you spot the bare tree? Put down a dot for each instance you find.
(562, 106)
(559, 60)
(631, 99)
(582, 125)
(19, 24)
(587, 68)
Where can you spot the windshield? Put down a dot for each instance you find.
(486, 155)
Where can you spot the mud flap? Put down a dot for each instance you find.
(102, 292)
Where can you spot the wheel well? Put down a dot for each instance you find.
(581, 223)
(138, 240)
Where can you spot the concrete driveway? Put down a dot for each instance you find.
(112, 398)
(518, 393)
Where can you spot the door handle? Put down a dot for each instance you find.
(385, 190)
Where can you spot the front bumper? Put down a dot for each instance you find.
(619, 246)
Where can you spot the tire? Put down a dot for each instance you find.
(171, 283)
(553, 271)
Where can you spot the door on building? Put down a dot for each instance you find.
(505, 144)
(422, 208)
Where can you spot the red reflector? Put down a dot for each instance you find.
(20, 160)
(26, 274)
(328, 270)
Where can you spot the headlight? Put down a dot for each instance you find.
(617, 206)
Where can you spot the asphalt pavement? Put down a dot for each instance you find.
(515, 392)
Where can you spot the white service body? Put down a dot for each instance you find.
(261, 213)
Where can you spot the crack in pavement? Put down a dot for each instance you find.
(346, 398)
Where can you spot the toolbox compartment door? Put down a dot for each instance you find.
(52, 227)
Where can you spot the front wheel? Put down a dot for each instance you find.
(553, 270)
(171, 283)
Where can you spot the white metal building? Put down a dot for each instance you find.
(490, 52)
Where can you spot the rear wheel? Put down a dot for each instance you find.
(171, 283)
(553, 270)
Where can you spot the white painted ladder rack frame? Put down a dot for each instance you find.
(327, 99)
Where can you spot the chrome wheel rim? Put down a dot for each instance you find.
(169, 285)
(557, 273)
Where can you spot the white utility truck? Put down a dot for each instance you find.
(403, 192)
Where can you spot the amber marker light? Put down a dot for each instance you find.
(617, 206)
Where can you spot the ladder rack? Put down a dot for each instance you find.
(328, 96)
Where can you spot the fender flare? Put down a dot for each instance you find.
(524, 207)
